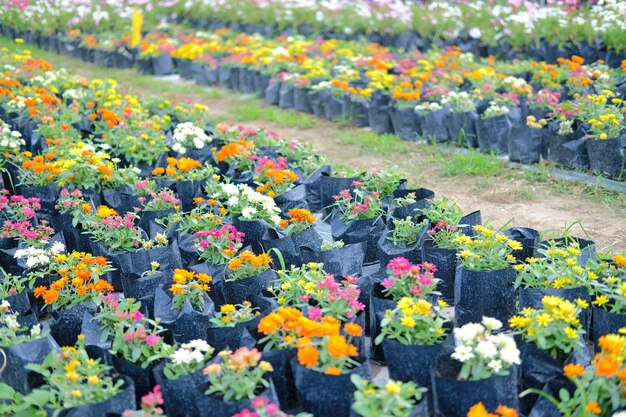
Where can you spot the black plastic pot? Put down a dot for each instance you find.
(527, 144)
(331, 186)
(433, 126)
(379, 302)
(18, 356)
(326, 395)
(379, 115)
(454, 398)
(356, 111)
(213, 406)
(241, 290)
(388, 251)
(340, 262)
(301, 100)
(462, 128)
(422, 197)
(333, 107)
(527, 237)
(162, 65)
(492, 134)
(445, 261)
(569, 153)
(272, 92)
(143, 378)
(253, 230)
(282, 377)
(234, 337)
(479, 294)
(368, 231)
(605, 322)
(119, 403)
(289, 246)
(66, 324)
(410, 362)
(538, 368)
(286, 96)
(404, 123)
(179, 395)
(608, 157)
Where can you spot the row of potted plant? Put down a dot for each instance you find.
(569, 112)
(143, 285)
(550, 30)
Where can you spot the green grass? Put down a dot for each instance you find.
(386, 144)
(249, 109)
(471, 163)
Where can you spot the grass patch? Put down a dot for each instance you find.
(374, 143)
(253, 109)
(471, 163)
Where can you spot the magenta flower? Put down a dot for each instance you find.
(152, 340)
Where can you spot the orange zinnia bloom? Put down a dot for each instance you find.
(606, 366)
(308, 356)
(573, 370)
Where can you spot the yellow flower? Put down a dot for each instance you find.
(515, 245)
(561, 283)
(93, 379)
(544, 319)
(76, 393)
(392, 388)
(601, 300)
(227, 308)
(520, 322)
(266, 366)
(408, 322)
(570, 333)
(423, 307)
(72, 376)
(582, 303)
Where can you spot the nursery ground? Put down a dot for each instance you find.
(474, 180)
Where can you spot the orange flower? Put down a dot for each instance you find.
(300, 215)
(338, 347)
(620, 260)
(606, 366)
(479, 410)
(270, 323)
(39, 291)
(506, 411)
(333, 371)
(573, 370)
(593, 407)
(308, 356)
(50, 296)
(353, 329)
(107, 171)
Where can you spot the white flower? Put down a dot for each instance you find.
(248, 212)
(35, 330)
(198, 344)
(491, 323)
(468, 332)
(510, 355)
(474, 33)
(11, 322)
(495, 365)
(5, 305)
(233, 201)
(181, 357)
(56, 248)
(463, 353)
(486, 349)
(619, 414)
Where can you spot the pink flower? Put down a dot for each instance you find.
(152, 340)
(128, 337)
(388, 283)
(315, 313)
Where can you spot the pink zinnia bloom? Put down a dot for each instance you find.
(152, 340)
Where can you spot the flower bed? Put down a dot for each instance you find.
(136, 275)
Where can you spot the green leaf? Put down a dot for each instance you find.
(6, 392)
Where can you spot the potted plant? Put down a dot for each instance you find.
(462, 118)
(404, 279)
(432, 116)
(185, 307)
(230, 325)
(609, 300)
(233, 381)
(591, 390)
(298, 231)
(248, 275)
(412, 336)
(358, 218)
(22, 346)
(493, 128)
(78, 385)
(180, 374)
(485, 280)
(481, 369)
(404, 239)
(263, 407)
(397, 399)
(557, 272)
(325, 365)
(81, 281)
(136, 349)
(550, 338)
